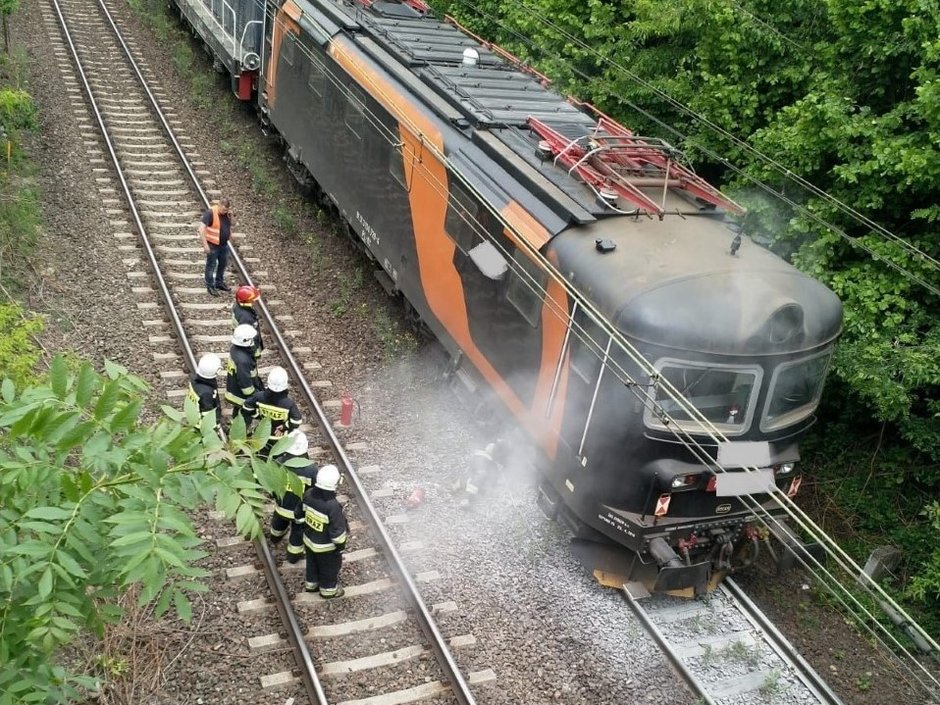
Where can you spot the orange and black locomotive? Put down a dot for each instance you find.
(549, 248)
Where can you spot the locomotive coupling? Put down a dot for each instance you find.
(674, 573)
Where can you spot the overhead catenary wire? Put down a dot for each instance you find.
(880, 230)
(710, 124)
(690, 442)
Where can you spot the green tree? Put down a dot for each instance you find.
(94, 501)
(7, 8)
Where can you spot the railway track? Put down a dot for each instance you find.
(152, 186)
(728, 651)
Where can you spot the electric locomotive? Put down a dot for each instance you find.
(522, 228)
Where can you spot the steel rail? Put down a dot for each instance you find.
(457, 682)
(698, 689)
(777, 642)
(294, 632)
(781, 645)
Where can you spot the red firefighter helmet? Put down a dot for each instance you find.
(247, 294)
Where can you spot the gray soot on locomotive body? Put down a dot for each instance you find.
(431, 143)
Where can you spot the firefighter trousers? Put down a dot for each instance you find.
(323, 571)
(283, 521)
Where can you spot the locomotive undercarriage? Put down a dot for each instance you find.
(682, 556)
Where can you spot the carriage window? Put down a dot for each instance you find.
(588, 342)
(316, 78)
(723, 394)
(289, 48)
(526, 287)
(463, 215)
(356, 110)
(795, 390)
(396, 163)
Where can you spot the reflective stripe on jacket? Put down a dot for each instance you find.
(277, 406)
(324, 522)
(241, 375)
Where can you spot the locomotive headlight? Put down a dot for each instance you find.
(685, 481)
(785, 468)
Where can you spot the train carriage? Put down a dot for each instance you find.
(232, 31)
(523, 228)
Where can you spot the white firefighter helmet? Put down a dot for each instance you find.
(277, 379)
(300, 444)
(327, 478)
(244, 335)
(209, 366)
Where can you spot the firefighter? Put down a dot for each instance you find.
(273, 403)
(284, 518)
(484, 467)
(242, 370)
(243, 312)
(324, 533)
(204, 388)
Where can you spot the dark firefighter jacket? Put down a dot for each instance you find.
(287, 506)
(205, 392)
(277, 406)
(248, 315)
(242, 375)
(324, 521)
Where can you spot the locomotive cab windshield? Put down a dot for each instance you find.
(728, 396)
(725, 394)
(795, 390)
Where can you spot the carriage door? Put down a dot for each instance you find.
(590, 348)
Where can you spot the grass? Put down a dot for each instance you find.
(285, 219)
(742, 653)
(203, 85)
(395, 340)
(20, 196)
(772, 685)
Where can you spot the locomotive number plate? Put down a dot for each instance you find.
(735, 484)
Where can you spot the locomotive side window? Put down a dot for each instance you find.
(289, 48)
(317, 78)
(587, 346)
(526, 287)
(356, 110)
(723, 394)
(396, 163)
(463, 215)
(795, 389)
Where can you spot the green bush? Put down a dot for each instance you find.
(18, 353)
(17, 111)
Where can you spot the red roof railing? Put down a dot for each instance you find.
(614, 161)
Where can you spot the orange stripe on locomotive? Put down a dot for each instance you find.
(440, 281)
(284, 21)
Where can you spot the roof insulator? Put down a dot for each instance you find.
(607, 196)
(543, 150)
(471, 56)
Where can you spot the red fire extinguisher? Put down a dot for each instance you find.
(346, 403)
(415, 498)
